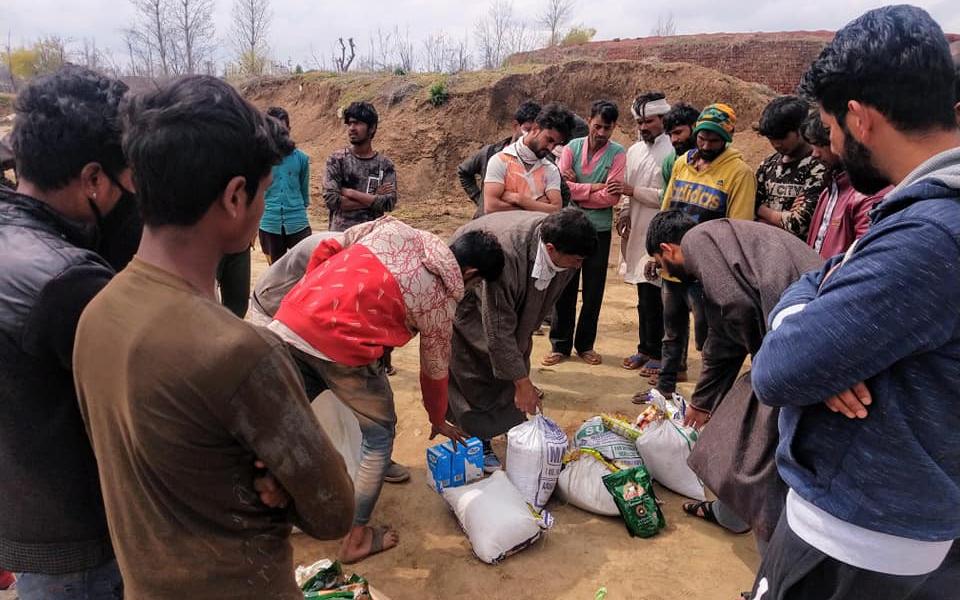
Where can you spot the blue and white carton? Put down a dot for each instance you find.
(447, 467)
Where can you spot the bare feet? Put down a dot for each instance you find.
(364, 541)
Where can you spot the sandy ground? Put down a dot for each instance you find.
(583, 552)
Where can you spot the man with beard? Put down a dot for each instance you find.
(678, 124)
(743, 268)
(874, 490)
(521, 177)
(711, 181)
(640, 202)
(476, 166)
(360, 183)
(843, 213)
(789, 181)
(593, 167)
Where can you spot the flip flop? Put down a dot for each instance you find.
(655, 379)
(540, 393)
(632, 363)
(591, 357)
(554, 358)
(376, 544)
(650, 368)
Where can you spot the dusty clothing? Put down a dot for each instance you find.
(744, 267)
(51, 511)
(177, 417)
(345, 170)
(792, 188)
(385, 284)
(644, 173)
(493, 331)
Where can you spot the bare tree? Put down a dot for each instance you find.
(460, 56)
(191, 33)
(152, 29)
(90, 56)
(343, 62)
(492, 32)
(666, 26)
(251, 23)
(435, 53)
(403, 50)
(9, 57)
(556, 14)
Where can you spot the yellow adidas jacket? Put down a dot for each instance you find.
(726, 188)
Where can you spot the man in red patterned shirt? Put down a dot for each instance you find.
(378, 288)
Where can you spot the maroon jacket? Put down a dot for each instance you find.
(849, 219)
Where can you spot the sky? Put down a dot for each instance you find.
(302, 30)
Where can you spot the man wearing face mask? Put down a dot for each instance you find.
(71, 173)
(521, 177)
(475, 167)
(490, 387)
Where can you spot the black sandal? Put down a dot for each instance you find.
(701, 510)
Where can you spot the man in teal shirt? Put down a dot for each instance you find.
(593, 168)
(284, 221)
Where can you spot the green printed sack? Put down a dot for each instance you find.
(632, 491)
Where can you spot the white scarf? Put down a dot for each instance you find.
(655, 108)
(525, 154)
(543, 268)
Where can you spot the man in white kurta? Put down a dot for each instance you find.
(643, 183)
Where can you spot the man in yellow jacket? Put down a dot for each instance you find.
(712, 181)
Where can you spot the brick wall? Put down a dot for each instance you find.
(776, 60)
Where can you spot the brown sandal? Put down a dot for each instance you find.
(591, 357)
(554, 358)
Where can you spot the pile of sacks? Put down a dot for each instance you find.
(656, 443)
(504, 513)
(607, 469)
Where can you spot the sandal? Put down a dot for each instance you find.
(641, 397)
(591, 357)
(701, 510)
(651, 367)
(554, 358)
(632, 363)
(681, 378)
(540, 392)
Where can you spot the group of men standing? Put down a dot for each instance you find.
(144, 455)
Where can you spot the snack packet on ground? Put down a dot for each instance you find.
(632, 490)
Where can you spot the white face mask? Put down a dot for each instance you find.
(526, 154)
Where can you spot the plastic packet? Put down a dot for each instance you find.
(633, 493)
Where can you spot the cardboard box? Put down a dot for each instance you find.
(447, 467)
(438, 468)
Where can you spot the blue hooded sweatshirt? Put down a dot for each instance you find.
(889, 315)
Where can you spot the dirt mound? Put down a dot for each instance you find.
(428, 143)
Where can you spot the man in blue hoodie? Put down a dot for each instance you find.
(864, 354)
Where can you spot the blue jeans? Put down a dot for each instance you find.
(98, 583)
(366, 390)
